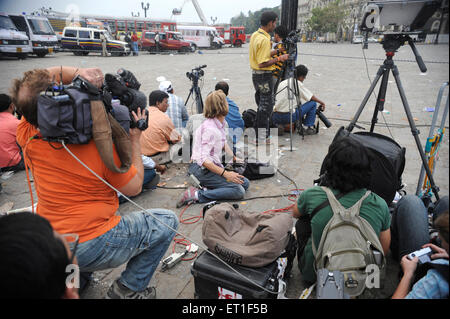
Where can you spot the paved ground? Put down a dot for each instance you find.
(337, 75)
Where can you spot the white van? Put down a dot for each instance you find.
(82, 41)
(202, 36)
(40, 32)
(12, 42)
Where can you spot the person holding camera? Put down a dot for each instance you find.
(262, 64)
(209, 143)
(159, 139)
(280, 34)
(306, 111)
(75, 201)
(434, 285)
(11, 158)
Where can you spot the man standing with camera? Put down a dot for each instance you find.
(262, 65)
(281, 115)
(75, 201)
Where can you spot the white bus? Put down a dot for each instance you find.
(12, 41)
(202, 36)
(42, 36)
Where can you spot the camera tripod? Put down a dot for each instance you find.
(391, 43)
(195, 90)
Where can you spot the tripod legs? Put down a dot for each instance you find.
(384, 71)
(415, 131)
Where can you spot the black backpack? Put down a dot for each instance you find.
(387, 162)
(249, 117)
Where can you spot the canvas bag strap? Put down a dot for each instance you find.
(337, 208)
(104, 130)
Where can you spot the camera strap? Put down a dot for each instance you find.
(106, 131)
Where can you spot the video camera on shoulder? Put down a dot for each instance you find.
(125, 87)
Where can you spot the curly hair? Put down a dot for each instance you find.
(347, 166)
(34, 82)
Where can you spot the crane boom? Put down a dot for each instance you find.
(200, 12)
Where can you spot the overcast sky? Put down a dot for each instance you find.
(224, 10)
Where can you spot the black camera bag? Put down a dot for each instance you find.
(387, 162)
(249, 117)
(70, 121)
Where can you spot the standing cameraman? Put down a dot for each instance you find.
(77, 202)
(262, 64)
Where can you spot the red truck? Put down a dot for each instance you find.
(168, 41)
(232, 35)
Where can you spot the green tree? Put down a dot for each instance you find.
(327, 19)
(251, 21)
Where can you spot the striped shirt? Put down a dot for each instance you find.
(279, 65)
(432, 286)
(177, 111)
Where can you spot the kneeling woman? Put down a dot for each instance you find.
(207, 167)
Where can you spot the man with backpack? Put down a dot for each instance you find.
(338, 220)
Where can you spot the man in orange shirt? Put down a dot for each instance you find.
(158, 140)
(76, 202)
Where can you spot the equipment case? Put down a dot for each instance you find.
(214, 280)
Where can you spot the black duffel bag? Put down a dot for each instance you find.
(387, 162)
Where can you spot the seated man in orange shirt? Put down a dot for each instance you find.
(158, 140)
(75, 201)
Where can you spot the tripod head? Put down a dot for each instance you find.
(393, 41)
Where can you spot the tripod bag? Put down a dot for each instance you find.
(387, 162)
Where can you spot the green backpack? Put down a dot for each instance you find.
(348, 244)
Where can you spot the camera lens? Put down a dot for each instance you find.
(413, 255)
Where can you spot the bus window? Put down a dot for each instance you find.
(130, 26)
(149, 25)
(70, 33)
(40, 27)
(96, 35)
(112, 26)
(140, 26)
(197, 33)
(158, 26)
(84, 34)
(120, 26)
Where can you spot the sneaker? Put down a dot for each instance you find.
(119, 291)
(153, 183)
(310, 131)
(188, 197)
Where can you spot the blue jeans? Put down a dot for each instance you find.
(409, 227)
(149, 175)
(217, 186)
(135, 47)
(308, 112)
(138, 240)
(264, 98)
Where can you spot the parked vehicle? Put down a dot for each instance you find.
(39, 31)
(168, 41)
(357, 39)
(12, 41)
(202, 36)
(232, 35)
(82, 41)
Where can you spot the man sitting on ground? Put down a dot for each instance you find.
(159, 139)
(75, 201)
(177, 110)
(306, 111)
(11, 158)
(234, 117)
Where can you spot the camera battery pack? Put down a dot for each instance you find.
(214, 280)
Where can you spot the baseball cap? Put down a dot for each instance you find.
(165, 86)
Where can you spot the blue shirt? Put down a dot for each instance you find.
(432, 286)
(177, 112)
(234, 118)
